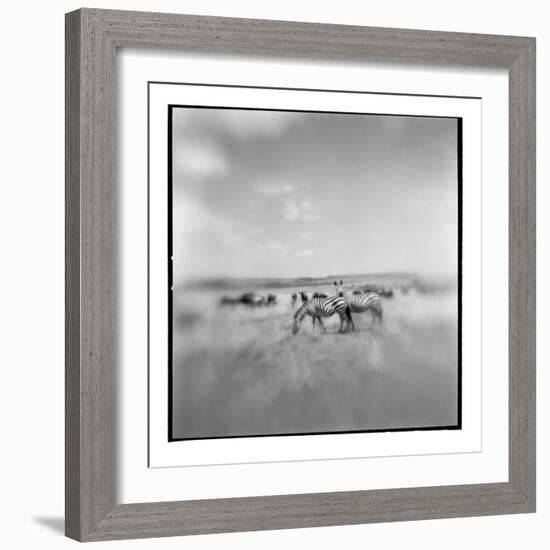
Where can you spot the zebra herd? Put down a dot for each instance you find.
(321, 306)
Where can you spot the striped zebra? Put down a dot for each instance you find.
(319, 307)
(366, 302)
(361, 303)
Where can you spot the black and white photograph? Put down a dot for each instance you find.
(314, 272)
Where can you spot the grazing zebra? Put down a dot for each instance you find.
(361, 303)
(318, 307)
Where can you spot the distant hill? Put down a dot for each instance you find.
(393, 280)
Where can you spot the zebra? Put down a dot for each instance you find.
(293, 298)
(318, 307)
(367, 302)
(360, 303)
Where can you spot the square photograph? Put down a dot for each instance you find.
(314, 264)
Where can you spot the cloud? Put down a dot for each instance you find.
(272, 251)
(291, 211)
(305, 252)
(273, 246)
(200, 160)
(249, 124)
(272, 189)
(308, 234)
(199, 135)
(192, 218)
(235, 123)
(303, 211)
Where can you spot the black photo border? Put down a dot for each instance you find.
(170, 109)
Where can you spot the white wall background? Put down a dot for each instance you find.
(31, 289)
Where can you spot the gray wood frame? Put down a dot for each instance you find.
(92, 38)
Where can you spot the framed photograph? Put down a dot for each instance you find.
(300, 275)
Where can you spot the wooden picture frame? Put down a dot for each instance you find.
(92, 38)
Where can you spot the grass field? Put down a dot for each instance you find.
(239, 371)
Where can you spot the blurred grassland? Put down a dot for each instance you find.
(239, 371)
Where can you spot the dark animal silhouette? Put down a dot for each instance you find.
(228, 301)
(385, 292)
(250, 299)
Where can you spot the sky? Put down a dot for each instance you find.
(295, 194)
